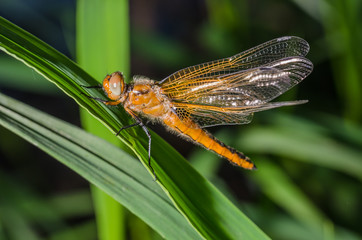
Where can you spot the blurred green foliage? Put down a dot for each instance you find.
(309, 157)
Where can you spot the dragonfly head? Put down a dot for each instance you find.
(114, 85)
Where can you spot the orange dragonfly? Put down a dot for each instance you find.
(222, 92)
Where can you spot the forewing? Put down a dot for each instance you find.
(255, 57)
(251, 87)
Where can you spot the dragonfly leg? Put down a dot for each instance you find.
(129, 126)
(95, 98)
(96, 86)
(107, 102)
(145, 129)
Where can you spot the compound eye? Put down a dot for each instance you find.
(116, 84)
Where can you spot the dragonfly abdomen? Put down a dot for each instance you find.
(190, 130)
(229, 153)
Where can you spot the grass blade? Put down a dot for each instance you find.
(100, 162)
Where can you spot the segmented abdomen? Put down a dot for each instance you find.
(192, 131)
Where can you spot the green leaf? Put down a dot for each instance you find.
(208, 211)
(100, 162)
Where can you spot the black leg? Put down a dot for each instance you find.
(129, 126)
(97, 86)
(145, 129)
(95, 98)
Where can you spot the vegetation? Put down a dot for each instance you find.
(309, 156)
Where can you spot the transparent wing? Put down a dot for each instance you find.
(230, 90)
(208, 116)
(232, 98)
(250, 87)
(262, 54)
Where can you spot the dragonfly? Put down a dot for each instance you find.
(221, 92)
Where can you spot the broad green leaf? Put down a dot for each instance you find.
(208, 211)
(101, 163)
